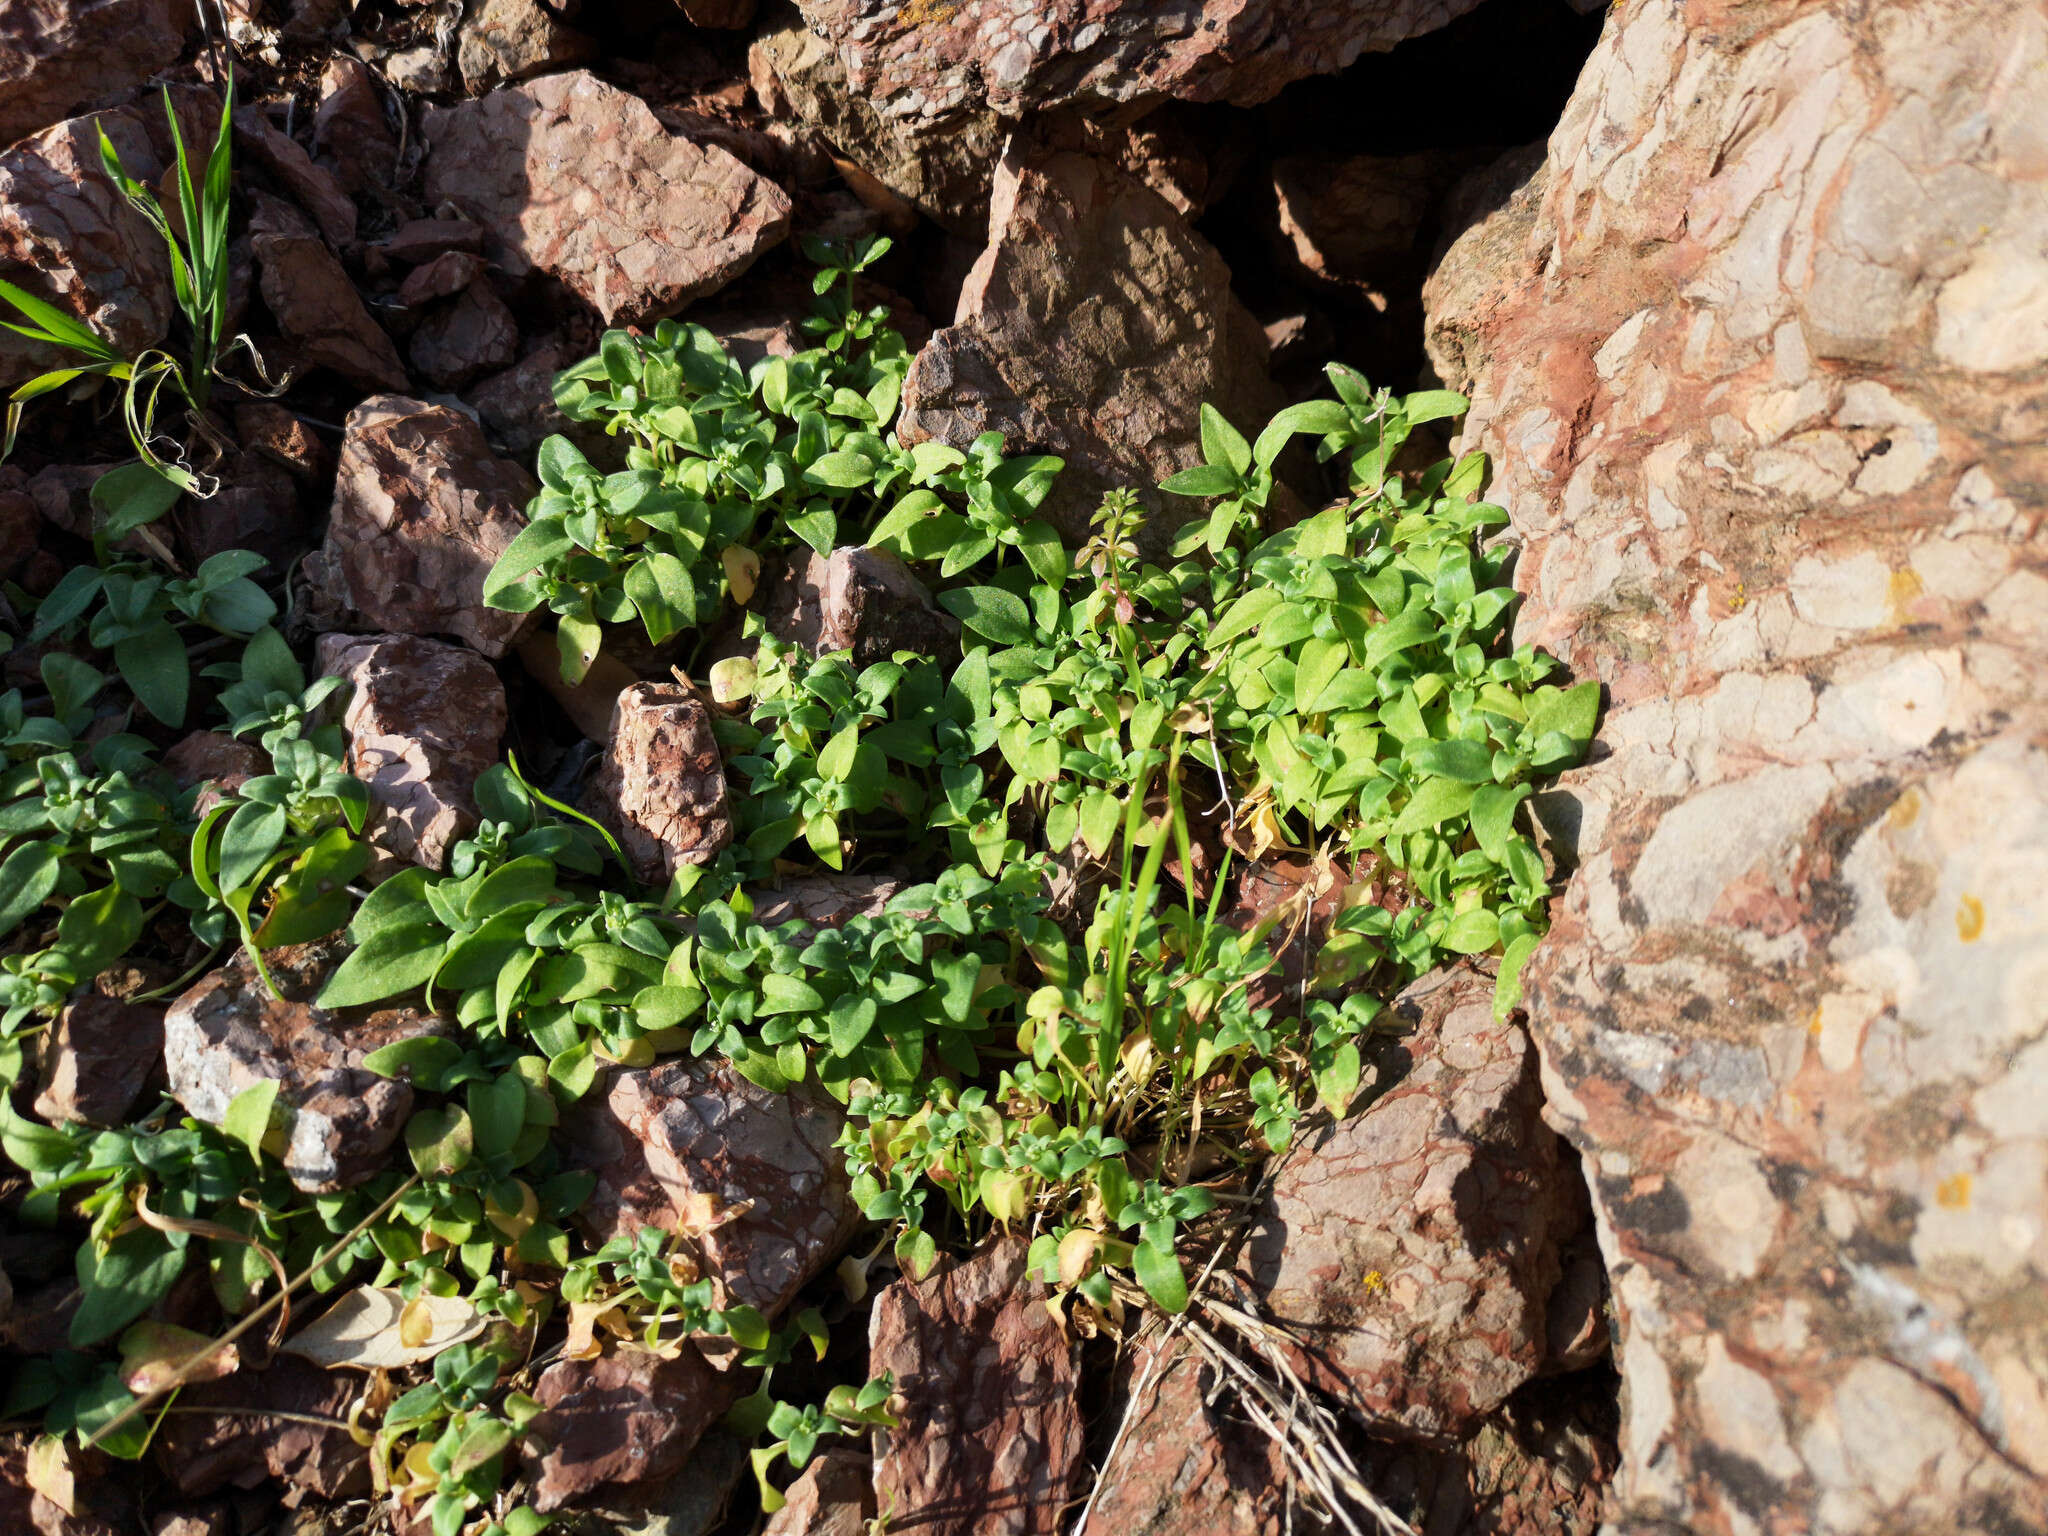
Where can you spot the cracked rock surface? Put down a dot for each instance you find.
(424, 720)
(58, 57)
(1758, 356)
(661, 785)
(577, 179)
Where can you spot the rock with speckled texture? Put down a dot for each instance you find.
(1760, 356)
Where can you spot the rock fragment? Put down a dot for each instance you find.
(628, 1416)
(227, 1034)
(661, 786)
(990, 1441)
(316, 307)
(749, 1176)
(99, 1059)
(864, 600)
(68, 237)
(422, 510)
(238, 1447)
(1412, 1246)
(639, 221)
(424, 720)
(513, 39)
(1093, 326)
(64, 56)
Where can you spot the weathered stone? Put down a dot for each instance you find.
(313, 186)
(1187, 1465)
(512, 39)
(424, 721)
(1358, 221)
(256, 507)
(750, 1177)
(214, 1519)
(69, 237)
(281, 437)
(692, 1502)
(349, 131)
(943, 175)
(835, 1496)
(928, 62)
(216, 760)
(424, 240)
(726, 14)
(1093, 326)
(227, 1033)
(990, 1440)
(661, 786)
(316, 307)
(422, 510)
(638, 220)
(444, 276)
(1761, 377)
(202, 1453)
(98, 1500)
(628, 1416)
(58, 57)
(518, 405)
(824, 901)
(1411, 1248)
(863, 600)
(465, 339)
(99, 1059)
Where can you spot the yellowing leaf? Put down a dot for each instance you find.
(158, 1356)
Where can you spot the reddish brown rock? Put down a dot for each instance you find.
(214, 1519)
(518, 405)
(215, 759)
(99, 1059)
(312, 186)
(227, 1034)
(423, 240)
(446, 275)
(513, 39)
(926, 64)
(350, 133)
(69, 237)
(639, 221)
(629, 1416)
(661, 786)
(283, 438)
(465, 339)
(256, 507)
(202, 1453)
(945, 176)
(1732, 358)
(729, 15)
(1094, 326)
(58, 57)
(315, 305)
(422, 510)
(990, 1441)
(1359, 221)
(1412, 1247)
(100, 1500)
(750, 1177)
(424, 720)
(20, 521)
(835, 1496)
(863, 600)
(1188, 1465)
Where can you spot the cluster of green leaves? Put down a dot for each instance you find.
(197, 245)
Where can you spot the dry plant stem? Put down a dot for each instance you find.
(186, 1370)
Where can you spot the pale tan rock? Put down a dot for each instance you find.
(1733, 356)
(512, 39)
(637, 220)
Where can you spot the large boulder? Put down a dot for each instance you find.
(1762, 375)
(424, 720)
(929, 61)
(636, 220)
(1094, 325)
(69, 237)
(751, 1177)
(990, 1440)
(422, 510)
(63, 56)
(1412, 1247)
